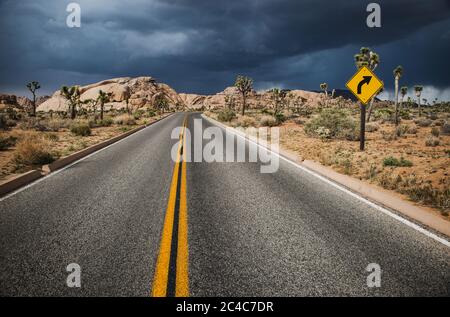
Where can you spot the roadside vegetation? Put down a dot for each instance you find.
(30, 139)
(407, 141)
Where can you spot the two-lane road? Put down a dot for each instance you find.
(285, 233)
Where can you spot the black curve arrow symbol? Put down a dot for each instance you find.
(366, 80)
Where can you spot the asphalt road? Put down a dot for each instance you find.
(249, 234)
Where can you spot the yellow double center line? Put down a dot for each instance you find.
(171, 273)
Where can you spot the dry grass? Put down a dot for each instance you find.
(33, 149)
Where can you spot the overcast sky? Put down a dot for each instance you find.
(200, 46)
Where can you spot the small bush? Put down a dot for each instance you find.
(267, 121)
(401, 130)
(226, 115)
(58, 124)
(33, 150)
(337, 122)
(392, 161)
(435, 132)
(246, 121)
(280, 118)
(106, 122)
(389, 136)
(372, 127)
(445, 129)
(125, 119)
(432, 141)
(423, 122)
(411, 129)
(81, 129)
(3, 122)
(6, 142)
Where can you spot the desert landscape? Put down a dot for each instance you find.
(411, 157)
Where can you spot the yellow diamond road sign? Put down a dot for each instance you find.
(364, 84)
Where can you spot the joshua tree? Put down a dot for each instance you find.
(72, 94)
(127, 96)
(33, 86)
(398, 72)
(367, 58)
(244, 85)
(229, 101)
(277, 96)
(418, 90)
(92, 104)
(324, 87)
(161, 103)
(102, 98)
(403, 92)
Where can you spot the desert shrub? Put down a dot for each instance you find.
(151, 113)
(58, 124)
(432, 141)
(52, 137)
(389, 136)
(337, 122)
(226, 115)
(3, 122)
(405, 114)
(299, 121)
(33, 150)
(81, 129)
(435, 131)
(392, 161)
(384, 114)
(33, 123)
(432, 116)
(372, 127)
(6, 142)
(138, 114)
(423, 122)
(125, 119)
(430, 196)
(401, 130)
(438, 123)
(280, 117)
(246, 121)
(267, 121)
(106, 122)
(445, 128)
(411, 129)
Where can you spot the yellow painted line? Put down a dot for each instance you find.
(161, 277)
(182, 276)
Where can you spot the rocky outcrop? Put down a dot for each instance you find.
(255, 100)
(141, 92)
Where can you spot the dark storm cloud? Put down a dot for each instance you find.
(200, 45)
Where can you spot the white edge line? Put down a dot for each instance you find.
(338, 186)
(76, 162)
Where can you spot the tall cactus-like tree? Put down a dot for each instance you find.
(277, 96)
(102, 98)
(324, 88)
(92, 106)
(403, 93)
(418, 90)
(244, 85)
(370, 59)
(398, 72)
(72, 94)
(32, 87)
